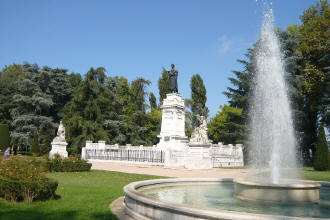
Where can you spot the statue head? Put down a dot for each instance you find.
(172, 65)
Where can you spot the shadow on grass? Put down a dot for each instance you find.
(61, 215)
(9, 212)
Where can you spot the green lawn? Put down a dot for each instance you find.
(84, 195)
(309, 173)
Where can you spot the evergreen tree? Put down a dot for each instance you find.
(137, 113)
(35, 146)
(4, 137)
(152, 101)
(163, 85)
(198, 99)
(83, 116)
(227, 126)
(117, 118)
(9, 77)
(321, 159)
(32, 111)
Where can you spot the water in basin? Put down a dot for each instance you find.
(221, 196)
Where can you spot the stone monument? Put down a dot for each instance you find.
(172, 138)
(59, 144)
(199, 154)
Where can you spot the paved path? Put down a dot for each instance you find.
(169, 172)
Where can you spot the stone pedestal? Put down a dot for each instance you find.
(58, 148)
(198, 156)
(172, 138)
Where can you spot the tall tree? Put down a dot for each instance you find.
(32, 111)
(163, 85)
(9, 78)
(117, 118)
(137, 112)
(84, 114)
(315, 48)
(152, 101)
(198, 98)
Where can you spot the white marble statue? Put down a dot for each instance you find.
(59, 144)
(199, 135)
(60, 133)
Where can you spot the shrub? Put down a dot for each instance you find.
(4, 137)
(70, 164)
(321, 159)
(21, 179)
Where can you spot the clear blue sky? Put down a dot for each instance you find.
(137, 38)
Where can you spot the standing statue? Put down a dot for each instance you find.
(173, 79)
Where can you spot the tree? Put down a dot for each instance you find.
(137, 112)
(314, 46)
(32, 112)
(163, 85)
(198, 99)
(84, 115)
(321, 159)
(4, 137)
(35, 146)
(152, 101)
(116, 120)
(9, 77)
(227, 126)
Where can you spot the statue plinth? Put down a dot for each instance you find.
(59, 144)
(172, 138)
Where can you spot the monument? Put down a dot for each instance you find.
(59, 144)
(199, 154)
(172, 138)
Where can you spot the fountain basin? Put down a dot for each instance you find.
(286, 192)
(201, 198)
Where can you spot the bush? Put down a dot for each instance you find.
(321, 160)
(71, 164)
(21, 179)
(16, 190)
(4, 137)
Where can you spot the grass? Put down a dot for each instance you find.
(83, 195)
(309, 173)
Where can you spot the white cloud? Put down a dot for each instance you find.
(225, 45)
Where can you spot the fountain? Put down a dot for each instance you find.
(272, 191)
(272, 140)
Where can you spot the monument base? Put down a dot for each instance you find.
(198, 156)
(58, 148)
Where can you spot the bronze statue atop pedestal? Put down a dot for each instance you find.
(173, 79)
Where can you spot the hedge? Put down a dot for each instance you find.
(16, 190)
(67, 165)
(4, 137)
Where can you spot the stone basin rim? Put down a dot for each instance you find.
(301, 185)
(132, 192)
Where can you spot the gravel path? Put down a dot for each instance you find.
(168, 172)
